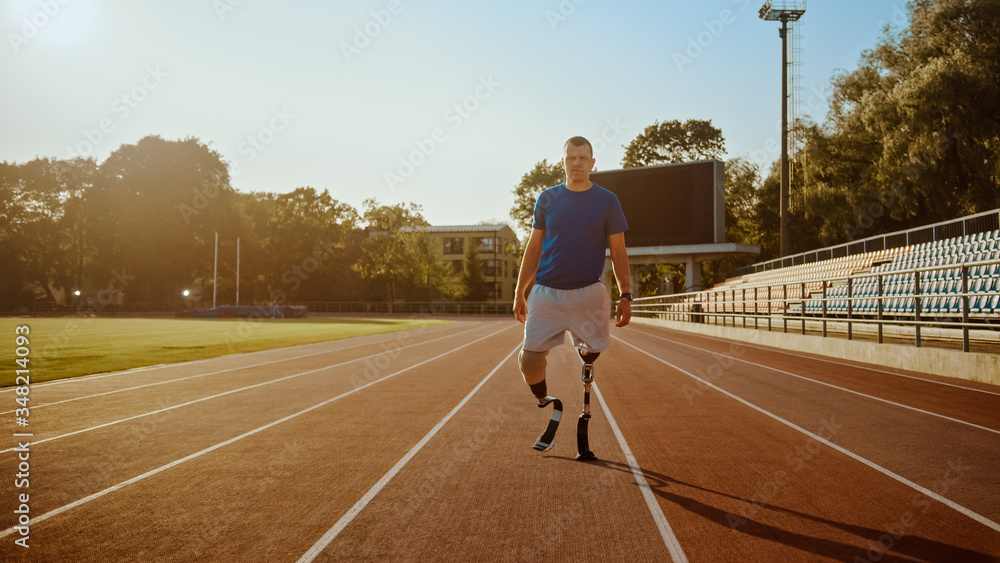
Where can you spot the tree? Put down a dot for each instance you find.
(392, 257)
(542, 176)
(42, 244)
(913, 135)
(673, 141)
(473, 280)
(745, 219)
(297, 246)
(156, 206)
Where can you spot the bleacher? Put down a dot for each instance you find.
(945, 275)
(939, 273)
(852, 283)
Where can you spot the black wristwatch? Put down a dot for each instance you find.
(628, 295)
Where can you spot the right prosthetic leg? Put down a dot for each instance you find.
(582, 442)
(532, 366)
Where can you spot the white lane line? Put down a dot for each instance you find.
(37, 406)
(832, 386)
(666, 532)
(85, 378)
(163, 468)
(348, 517)
(829, 361)
(230, 392)
(923, 490)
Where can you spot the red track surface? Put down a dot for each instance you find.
(415, 446)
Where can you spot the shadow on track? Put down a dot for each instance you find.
(919, 548)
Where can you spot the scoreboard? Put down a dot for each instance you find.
(670, 204)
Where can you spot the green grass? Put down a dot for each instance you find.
(68, 347)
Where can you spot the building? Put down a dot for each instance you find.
(491, 241)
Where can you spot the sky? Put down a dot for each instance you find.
(445, 104)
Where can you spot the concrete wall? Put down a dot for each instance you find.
(949, 363)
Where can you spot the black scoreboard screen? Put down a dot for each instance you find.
(671, 204)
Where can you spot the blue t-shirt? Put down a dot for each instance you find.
(577, 226)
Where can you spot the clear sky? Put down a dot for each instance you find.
(442, 103)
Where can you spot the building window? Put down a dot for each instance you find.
(490, 268)
(486, 245)
(453, 245)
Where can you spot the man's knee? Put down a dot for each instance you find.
(532, 365)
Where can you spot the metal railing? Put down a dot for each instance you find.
(961, 296)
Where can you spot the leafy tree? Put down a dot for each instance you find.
(392, 257)
(155, 207)
(542, 176)
(473, 280)
(745, 219)
(913, 135)
(297, 246)
(42, 245)
(673, 141)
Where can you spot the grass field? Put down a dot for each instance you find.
(68, 347)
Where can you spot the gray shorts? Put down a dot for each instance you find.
(584, 312)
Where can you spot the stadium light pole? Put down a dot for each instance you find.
(237, 271)
(784, 14)
(496, 242)
(215, 273)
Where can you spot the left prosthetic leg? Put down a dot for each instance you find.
(582, 442)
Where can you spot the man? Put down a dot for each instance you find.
(564, 258)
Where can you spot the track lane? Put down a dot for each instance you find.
(297, 457)
(914, 445)
(108, 456)
(737, 485)
(71, 418)
(101, 385)
(477, 491)
(975, 402)
(968, 406)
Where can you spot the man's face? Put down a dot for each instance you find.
(578, 162)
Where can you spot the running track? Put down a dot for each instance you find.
(415, 446)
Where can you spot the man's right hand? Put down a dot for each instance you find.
(520, 308)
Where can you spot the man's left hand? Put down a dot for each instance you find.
(623, 313)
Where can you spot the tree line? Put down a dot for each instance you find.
(141, 226)
(912, 137)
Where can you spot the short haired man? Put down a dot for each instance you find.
(573, 224)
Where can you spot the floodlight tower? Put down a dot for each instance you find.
(783, 12)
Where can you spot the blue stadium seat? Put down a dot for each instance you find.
(990, 305)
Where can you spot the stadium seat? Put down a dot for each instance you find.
(990, 305)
